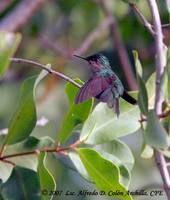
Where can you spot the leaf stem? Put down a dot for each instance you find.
(160, 160)
(49, 70)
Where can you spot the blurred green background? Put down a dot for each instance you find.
(66, 23)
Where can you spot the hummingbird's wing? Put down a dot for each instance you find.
(92, 88)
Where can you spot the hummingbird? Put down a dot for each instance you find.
(104, 84)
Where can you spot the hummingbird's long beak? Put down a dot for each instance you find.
(80, 57)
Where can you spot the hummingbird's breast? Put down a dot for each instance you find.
(113, 80)
(105, 72)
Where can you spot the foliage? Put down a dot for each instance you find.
(90, 139)
(77, 114)
(8, 45)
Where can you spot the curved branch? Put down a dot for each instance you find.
(50, 71)
(160, 160)
(142, 18)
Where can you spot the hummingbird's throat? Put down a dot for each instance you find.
(95, 66)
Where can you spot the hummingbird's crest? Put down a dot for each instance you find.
(97, 61)
(100, 58)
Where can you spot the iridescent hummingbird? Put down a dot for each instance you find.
(103, 85)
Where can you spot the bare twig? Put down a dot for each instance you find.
(20, 15)
(166, 25)
(160, 116)
(49, 70)
(8, 161)
(159, 53)
(142, 18)
(123, 57)
(92, 36)
(164, 114)
(57, 149)
(160, 160)
(48, 150)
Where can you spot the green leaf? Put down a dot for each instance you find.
(102, 125)
(168, 5)
(147, 152)
(9, 42)
(117, 152)
(120, 154)
(5, 170)
(77, 114)
(150, 86)
(46, 179)
(118, 149)
(166, 153)
(78, 165)
(27, 161)
(166, 124)
(142, 95)
(168, 62)
(22, 184)
(164, 84)
(137, 63)
(168, 72)
(104, 173)
(155, 134)
(24, 119)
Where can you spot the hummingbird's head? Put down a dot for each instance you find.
(97, 61)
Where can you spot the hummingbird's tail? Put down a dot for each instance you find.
(129, 98)
(116, 106)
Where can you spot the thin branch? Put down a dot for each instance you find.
(147, 25)
(161, 163)
(49, 70)
(20, 15)
(123, 57)
(160, 116)
(164, 114)
(34, 152)
(166, 25)
(92, 36)
(8, 161)
(58, 149)
(159, 53)
(160, 160)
